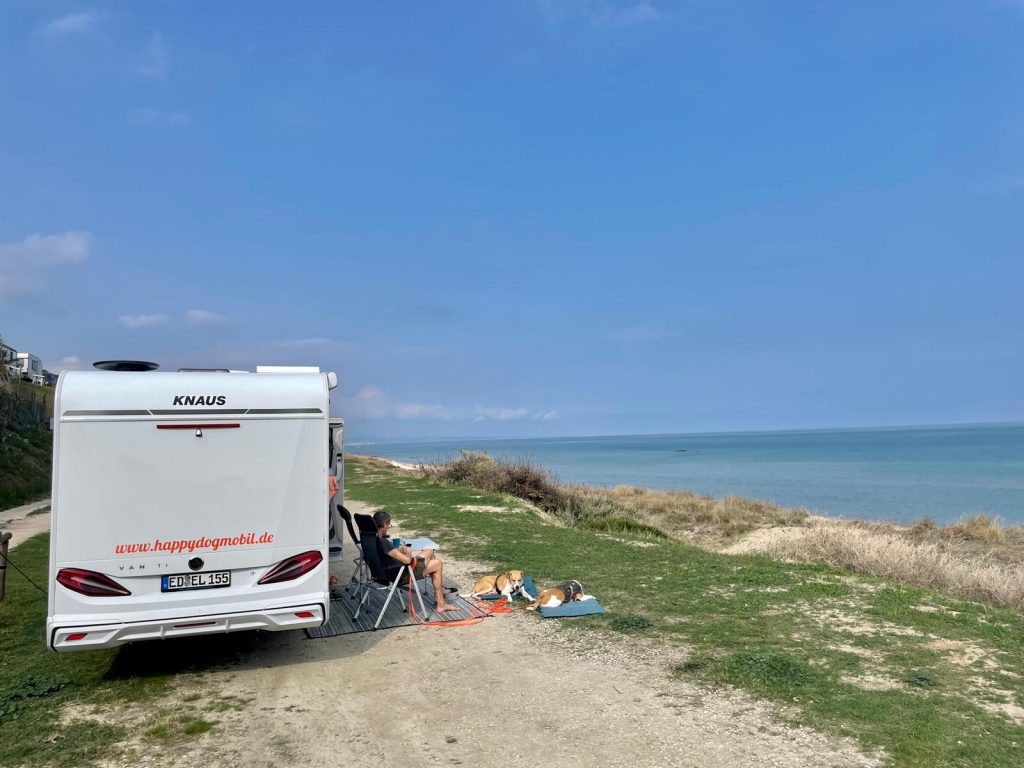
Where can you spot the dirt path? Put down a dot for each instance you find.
(21, 525)
(514, 690)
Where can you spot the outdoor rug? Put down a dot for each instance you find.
(575, 608)
(342, 608)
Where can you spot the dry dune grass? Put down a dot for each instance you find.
(374, 461)
(985, 529)
(676, 513)
(683, 513)
(892, 555)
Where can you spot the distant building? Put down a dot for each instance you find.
(49, 379)
(30, 367)
(7, 354)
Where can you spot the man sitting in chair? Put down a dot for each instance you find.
(426, 563)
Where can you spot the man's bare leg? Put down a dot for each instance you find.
(433, 569)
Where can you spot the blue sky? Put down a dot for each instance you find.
(530, 217)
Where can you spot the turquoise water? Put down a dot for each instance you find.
(898, 474)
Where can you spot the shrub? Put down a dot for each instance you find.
(695, 664)
(622, 525)
(30, 687)
(25, 459)
(775, 670)
(516, 477)
(978, 528)
(922, 526)
(630, 622)
(765, 670)
(920, 679)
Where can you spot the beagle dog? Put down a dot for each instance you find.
(565, 592)
(508, 584)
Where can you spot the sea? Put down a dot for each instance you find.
(899, 474)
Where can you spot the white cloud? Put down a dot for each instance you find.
(163, 117)
(47, 250)
(484, 413)
(199, 318)
(421, 411)
(154, 63)
(70, 24)
(372, 402)
(142, 321)
(69, 363)
(317, 341)
(24, 266)
(492, 413)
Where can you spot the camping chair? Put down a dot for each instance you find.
(365, 525)
(367, 533)
(361, 574)
(384, 580)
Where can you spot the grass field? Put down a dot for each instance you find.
(928, 680)
(931, 680)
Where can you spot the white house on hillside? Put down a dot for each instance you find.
(8, 357)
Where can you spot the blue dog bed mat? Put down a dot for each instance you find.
(528, 585)
(575, 608)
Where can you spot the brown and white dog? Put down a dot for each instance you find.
(508, 584)
(565, 592)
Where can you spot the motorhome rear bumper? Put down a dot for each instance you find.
(93, 637)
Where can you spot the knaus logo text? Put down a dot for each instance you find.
(199, 400)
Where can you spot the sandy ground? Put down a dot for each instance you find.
(514, 690)
(20, 525)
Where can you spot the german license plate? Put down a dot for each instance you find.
(180, 581)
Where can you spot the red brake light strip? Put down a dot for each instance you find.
(215, 425)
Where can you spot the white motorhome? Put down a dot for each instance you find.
(29, 367)
(190, 503)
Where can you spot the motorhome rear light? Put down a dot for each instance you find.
(76, 636)
(195, 624)
(292, 568)
(90, 583)
(305, 614)
(215, 425)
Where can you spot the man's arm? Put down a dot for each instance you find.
(401, 555)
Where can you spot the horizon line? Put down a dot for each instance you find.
(791, 430)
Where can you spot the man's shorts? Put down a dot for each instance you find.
(417, 570)
(420, 566)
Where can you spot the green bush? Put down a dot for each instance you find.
(630, 622)
(621, 525)
(775, 670)
(25, 460)
(516, 477)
